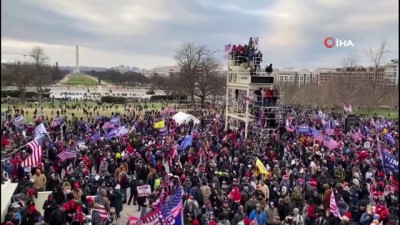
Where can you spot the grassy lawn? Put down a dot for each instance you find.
(81, 80)
(387, 113)
(51, 112)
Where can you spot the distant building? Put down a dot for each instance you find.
(162, 70)
(297, 77)
(387, 75)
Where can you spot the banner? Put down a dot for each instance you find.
(144, 190)
(390, 162)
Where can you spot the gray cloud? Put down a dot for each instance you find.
(147, 33)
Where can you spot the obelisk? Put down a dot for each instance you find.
(77, 60)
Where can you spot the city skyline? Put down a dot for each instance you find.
(147, 34)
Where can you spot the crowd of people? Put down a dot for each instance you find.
(246, 54)
(292, 178)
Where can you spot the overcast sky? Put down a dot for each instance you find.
(147, 33)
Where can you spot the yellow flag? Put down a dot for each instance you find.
(261, 167)
(159, 124)
(385, 131)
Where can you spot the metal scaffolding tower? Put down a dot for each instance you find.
(247, 106)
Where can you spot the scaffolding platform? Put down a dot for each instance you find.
(245, 100)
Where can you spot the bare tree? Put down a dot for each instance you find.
(207, 76)
(164, 83)
(373, 87)
(40, 68)
(189, 57)
(346, 86)
(20, 75)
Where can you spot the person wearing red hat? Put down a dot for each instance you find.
(31, 216)
(49, 206)
(78, 217)
(346, 218)
(247, 221)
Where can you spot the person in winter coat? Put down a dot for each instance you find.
(49, 206)
(60, 217)
(31, 216)
(285, 209)
(369, 215)
(239, 216)
(133, 189)
(272, 214)
(118, 198)
(258, 215)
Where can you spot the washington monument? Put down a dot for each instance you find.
(77, 60)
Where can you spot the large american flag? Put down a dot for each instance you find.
(165, 213)
(68, 153)
(333, 206)
(36, 156)
(102, 210)
(330, 143)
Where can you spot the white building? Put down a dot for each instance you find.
(285, 75)
(162, 70)
(391, 73)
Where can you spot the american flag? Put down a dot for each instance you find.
(170, 209)
(228, 48)
(317, 135)
(333, 206)
(36, 157)
(68, 153)
(57, 121)
(347, 108)
(330, 143)
(357, 136)
(102, 210)
(330, 131)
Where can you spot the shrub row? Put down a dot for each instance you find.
(17, 94)
(164, 97)
(113, 99)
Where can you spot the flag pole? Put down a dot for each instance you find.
(16, 150)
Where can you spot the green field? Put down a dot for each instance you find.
(387, 113)
(51, 112)
(80, 79)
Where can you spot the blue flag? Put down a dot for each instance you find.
(96, 136)
(112, 133)
(187, 142)
(303, 130)
(390, 162)
(390, 139)
(116, 121)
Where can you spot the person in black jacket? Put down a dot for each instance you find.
(49, 206)
(60, 217)
(31, 216)
(133, 186)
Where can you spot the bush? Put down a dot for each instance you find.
(150, 92)
(164, 97)
(28, 94)
(113, 99)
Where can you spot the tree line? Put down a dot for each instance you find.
(370, 92)
(37, 72)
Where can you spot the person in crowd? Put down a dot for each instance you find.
(219, 170)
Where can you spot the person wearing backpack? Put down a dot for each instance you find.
(298, 198)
